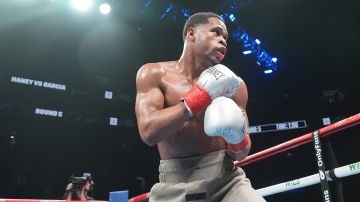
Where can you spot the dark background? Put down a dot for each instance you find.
(316, 43)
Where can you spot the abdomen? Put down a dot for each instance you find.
(189, 141)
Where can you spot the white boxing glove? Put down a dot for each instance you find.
(219, 81)
(224, 118)
(213, 82)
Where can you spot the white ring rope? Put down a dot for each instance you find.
(340, 172)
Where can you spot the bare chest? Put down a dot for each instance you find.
(174, 87)
(190, 138)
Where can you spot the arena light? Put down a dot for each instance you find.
(268, 71)
(147, 4)
(228, 16)
(167, 11)
(81, 5)
(247, 52)
(185, 12)
(252, 45)
(232, 17)
(105, 8)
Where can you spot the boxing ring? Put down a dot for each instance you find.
(322, 177)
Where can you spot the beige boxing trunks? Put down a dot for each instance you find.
(209, 177)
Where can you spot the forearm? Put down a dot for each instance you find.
(161, 124)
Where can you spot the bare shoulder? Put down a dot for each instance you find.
(149, 70)
(154, 70)
(149, 76)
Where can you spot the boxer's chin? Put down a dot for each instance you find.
(214, 60)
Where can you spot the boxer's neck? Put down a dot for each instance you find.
(190, 64)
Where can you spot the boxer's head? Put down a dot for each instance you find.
(207, 34)
(199, 19)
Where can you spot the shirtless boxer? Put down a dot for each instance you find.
(193, 109)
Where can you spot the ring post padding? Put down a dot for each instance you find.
(325, 189)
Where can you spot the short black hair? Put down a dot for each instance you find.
(198, 19)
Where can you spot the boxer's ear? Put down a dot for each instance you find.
(190, 33)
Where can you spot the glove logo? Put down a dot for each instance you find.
(215, 72)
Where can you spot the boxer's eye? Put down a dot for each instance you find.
(217, 32)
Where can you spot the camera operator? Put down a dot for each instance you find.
(79, 188)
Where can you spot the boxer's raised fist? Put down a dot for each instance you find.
(225, 118)
(213, 82)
